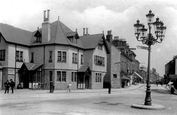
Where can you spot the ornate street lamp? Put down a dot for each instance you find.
(149, 39)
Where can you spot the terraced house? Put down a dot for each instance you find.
(52, 53)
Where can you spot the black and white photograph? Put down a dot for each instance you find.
(88, 57)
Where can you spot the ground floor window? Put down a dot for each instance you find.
(61, 76)
(98, 77)
(74, 76)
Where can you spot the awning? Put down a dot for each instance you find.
(125, 77)
(138, 75)
(84, 69)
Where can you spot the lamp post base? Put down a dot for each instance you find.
(149, 107)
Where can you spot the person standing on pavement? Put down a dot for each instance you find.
(7, 85)
(12, 85)
(109, 88)
(69, 87)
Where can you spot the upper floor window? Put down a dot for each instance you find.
(2, 55)
(61, 76)
(99, 60)
(74, 58)
(100, 47)
(32, 57)
(82, 59)
(50, 56)
(61, 56)
(19, 56)
(72, 39)
(38, 36)
(38, 39)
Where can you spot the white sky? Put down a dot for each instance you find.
(100, 15)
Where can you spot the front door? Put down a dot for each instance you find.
(25, 78)
(87, 82)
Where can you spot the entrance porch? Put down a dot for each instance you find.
(30, 76)
(84, 78)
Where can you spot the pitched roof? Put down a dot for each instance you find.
(91, 41)
(83, 68)
(32, 66)
(59, 34)
(15, 35)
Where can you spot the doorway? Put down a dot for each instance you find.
(87, 79)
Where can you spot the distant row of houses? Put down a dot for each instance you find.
(154, 75)
(56, 53)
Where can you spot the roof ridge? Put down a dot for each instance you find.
(60, 34)
(15, 27)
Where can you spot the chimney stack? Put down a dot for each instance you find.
(116, 37)
(46, 27)
(109, 36)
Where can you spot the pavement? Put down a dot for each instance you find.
(86, 102)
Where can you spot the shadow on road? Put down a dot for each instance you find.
(108, 103)
(162, 91)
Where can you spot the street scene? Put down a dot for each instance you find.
(96, 57)
(86, 102)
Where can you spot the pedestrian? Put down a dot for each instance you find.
(12, 85)
(157, 83)
(69, 87)
(109, 88)
(7, 85)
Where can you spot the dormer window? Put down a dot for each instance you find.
(72, 39)
(100, 47)
(38, 36)
(72, 36)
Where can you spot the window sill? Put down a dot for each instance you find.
(19, 60)
(61, 61)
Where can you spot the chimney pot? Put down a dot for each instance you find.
(83, 31)
(86, 31)
(44, 15)
(48, 13)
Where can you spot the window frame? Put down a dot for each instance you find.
(82, 59)
(19, 56)
(50, 56)
(99, 60)
(74, 58)
(2, 54)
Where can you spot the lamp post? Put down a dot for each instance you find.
(149, 39)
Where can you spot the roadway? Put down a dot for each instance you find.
(86, 102)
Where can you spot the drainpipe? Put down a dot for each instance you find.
(15, 63)
(77, 66)
(44, 68)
